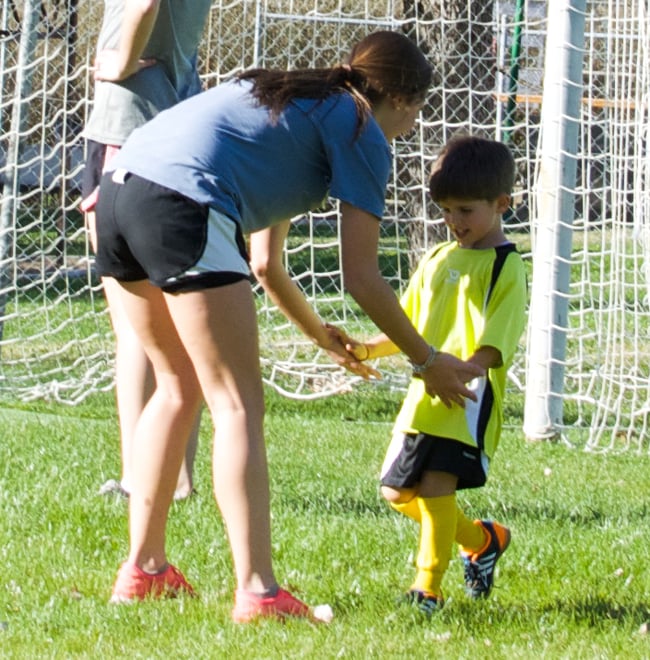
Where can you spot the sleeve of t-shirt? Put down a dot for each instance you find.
(360, 166)
(506, 310)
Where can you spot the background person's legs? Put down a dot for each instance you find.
(134, 385)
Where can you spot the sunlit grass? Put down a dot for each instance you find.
(573, 584)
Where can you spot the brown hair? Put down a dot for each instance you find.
(470, 167)
(383, 64)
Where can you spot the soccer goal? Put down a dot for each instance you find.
(582, 370)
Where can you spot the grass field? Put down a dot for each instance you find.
(574, 583)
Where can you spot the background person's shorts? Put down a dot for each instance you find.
(411, 454)
(98, 157)
(148, 231)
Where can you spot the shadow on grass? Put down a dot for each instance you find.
(329, 505)
(596, 609)
(583, 516)
(591, 610)
(475, 617)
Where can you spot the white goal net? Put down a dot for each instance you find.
(55, 337)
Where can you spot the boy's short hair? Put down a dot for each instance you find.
(470, 167)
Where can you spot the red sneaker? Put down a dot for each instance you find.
(250, 606)
(133, 583)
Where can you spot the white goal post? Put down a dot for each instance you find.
(55, 337)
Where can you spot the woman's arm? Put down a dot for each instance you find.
(266, 263)
(446, 376)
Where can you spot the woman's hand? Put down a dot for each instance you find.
(359, 350)
(348, 353)
(446, 378)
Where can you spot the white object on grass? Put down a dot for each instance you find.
(323, 613)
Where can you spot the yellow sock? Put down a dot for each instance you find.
(437, 533)
(410, 509)
(469, 535)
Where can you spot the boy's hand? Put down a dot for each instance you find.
(358, 349)
(446, 379)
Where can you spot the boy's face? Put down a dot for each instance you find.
(475, 223)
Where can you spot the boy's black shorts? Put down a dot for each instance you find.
(411, 454)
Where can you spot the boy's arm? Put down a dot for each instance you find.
(487, 357)
(377, 347)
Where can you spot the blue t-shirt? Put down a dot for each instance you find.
(221, 148)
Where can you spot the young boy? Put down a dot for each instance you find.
(468, 298)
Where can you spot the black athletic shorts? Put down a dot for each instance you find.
(148, 231)
(411, 454)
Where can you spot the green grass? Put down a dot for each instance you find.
(574, 583)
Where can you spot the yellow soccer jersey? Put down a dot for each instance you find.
(459, 300)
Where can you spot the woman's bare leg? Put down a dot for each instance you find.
(133, 378)
(219, 330)
(163, 427)
(134, 385)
